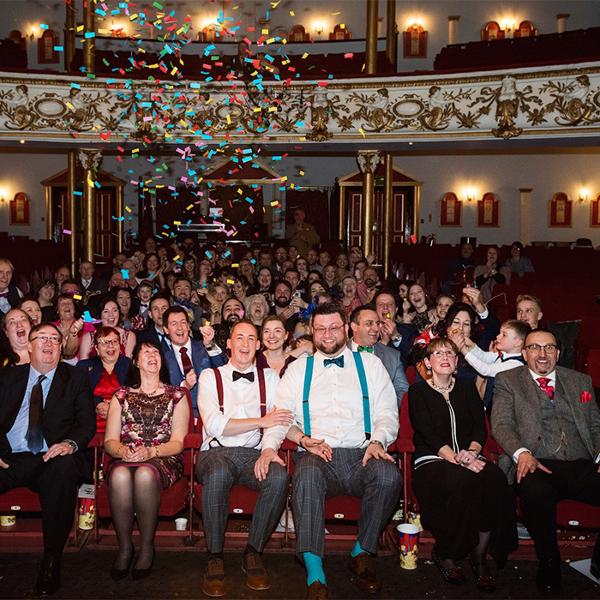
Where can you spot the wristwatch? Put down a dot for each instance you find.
(71, 443)
(376, 442)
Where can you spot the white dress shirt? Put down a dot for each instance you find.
(336, 404)
(489, 364)
(241, 400)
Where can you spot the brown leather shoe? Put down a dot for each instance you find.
(317, 591)
(257, 577)
(365, 578)
(213, 582)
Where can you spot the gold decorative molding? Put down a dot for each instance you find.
(523, 102)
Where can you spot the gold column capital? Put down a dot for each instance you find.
(368, 160)
(89, 158)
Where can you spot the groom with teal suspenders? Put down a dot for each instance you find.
(346, 415)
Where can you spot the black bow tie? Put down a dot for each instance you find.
(338, 362)
(3, 294)
(237, 375)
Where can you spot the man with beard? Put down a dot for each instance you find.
(346, 413)
(232, 311)
(312, 258)
(546, 418)
(369, 286)
(183, 296)
(285, 306)
(186, 358)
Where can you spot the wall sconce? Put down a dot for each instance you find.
(508, 25)
(469, 194)
(584, 195)
(3, 195)
(415, 39)
(32, 32)
(318, 27)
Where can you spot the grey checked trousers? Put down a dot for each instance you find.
(218, 469)
(379, 484)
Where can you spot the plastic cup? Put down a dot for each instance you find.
(408, 542)
(181, 524)
(8, 520)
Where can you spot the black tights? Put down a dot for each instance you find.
(134, 491)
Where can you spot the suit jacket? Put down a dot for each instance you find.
(517, 409)
(96, 285)
(200, 359)
(93, 369)
(392, 361)
(408, 332)
(149, 334)
(69, 411)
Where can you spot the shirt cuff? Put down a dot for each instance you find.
(519, 452)
(72, 443)
(484, 315)
(214, 350)
(397, 341)
(597, 461)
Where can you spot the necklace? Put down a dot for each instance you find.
(440, 388)
(152, 393)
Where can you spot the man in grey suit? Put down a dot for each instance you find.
(365, 326)
(546, 418)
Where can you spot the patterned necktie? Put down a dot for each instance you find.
(35, 439)
(4, 294)
(547, 389)
(368, 349)
(237, 375)
(186, 363)
(338, 362)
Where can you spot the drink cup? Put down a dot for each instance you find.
(8, 520)
(181, 524)
(87, 513)
(408, 540)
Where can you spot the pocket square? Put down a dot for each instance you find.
(586, 397)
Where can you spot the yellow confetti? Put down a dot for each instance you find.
(292, 13)
(240, 191)
(235, 265)
(275, 203)
(342, 25)
(90, 183)
(301, 172)
(265, 31)
(305, 55)
(230, 282)
(69, 105)
(128, 209)
(362, 131)
(228, 119)
(189, 207)
(177, 257)
(77, 296)
(176, 222)
(79, 28)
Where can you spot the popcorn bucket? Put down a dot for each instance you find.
(87, 513)
(408, 539)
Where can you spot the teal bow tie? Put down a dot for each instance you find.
(368, 349)
(338, 362)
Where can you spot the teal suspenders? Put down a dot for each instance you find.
(310, 362)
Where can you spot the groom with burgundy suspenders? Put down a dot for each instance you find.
(236, 404)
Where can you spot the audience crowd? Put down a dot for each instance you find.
(250, 338)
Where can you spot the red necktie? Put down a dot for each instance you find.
(547, 389)
(186, 363)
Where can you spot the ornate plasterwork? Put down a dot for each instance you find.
(532, 102)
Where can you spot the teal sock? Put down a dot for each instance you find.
(314, 568)
(356, 550)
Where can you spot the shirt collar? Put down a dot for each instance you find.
(187, 346)
(551, 376)
(35, 374)
(233, 368)
(344, 351)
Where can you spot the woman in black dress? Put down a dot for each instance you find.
(465, 501)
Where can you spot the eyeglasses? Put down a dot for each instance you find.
(333, 329)
(444, 353)
(105, 342)
(44, 339)
(548, 348)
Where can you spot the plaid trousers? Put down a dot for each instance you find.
(218, 469)
(379, 484)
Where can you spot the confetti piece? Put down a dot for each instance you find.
(125, 273)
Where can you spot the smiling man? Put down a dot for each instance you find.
(187, 358)
(47, 419)
(546, 418)
(10, 294)
(345, 399)
(237, 406)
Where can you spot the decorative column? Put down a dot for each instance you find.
(72, 208)
(120, 219)
(90, 159)
(561, 22)
(453, 29)
(391, 37)
(69, 33)
(371, 49)
(367, 162)
(525, 211)
(89, 43)
(388, 205)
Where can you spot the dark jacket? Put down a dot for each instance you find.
(93, 369)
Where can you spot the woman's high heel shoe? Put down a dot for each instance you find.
(118, 574)
(143, 573)
(453, 575)
(484, 580)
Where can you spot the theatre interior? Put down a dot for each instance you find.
(405, 128)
